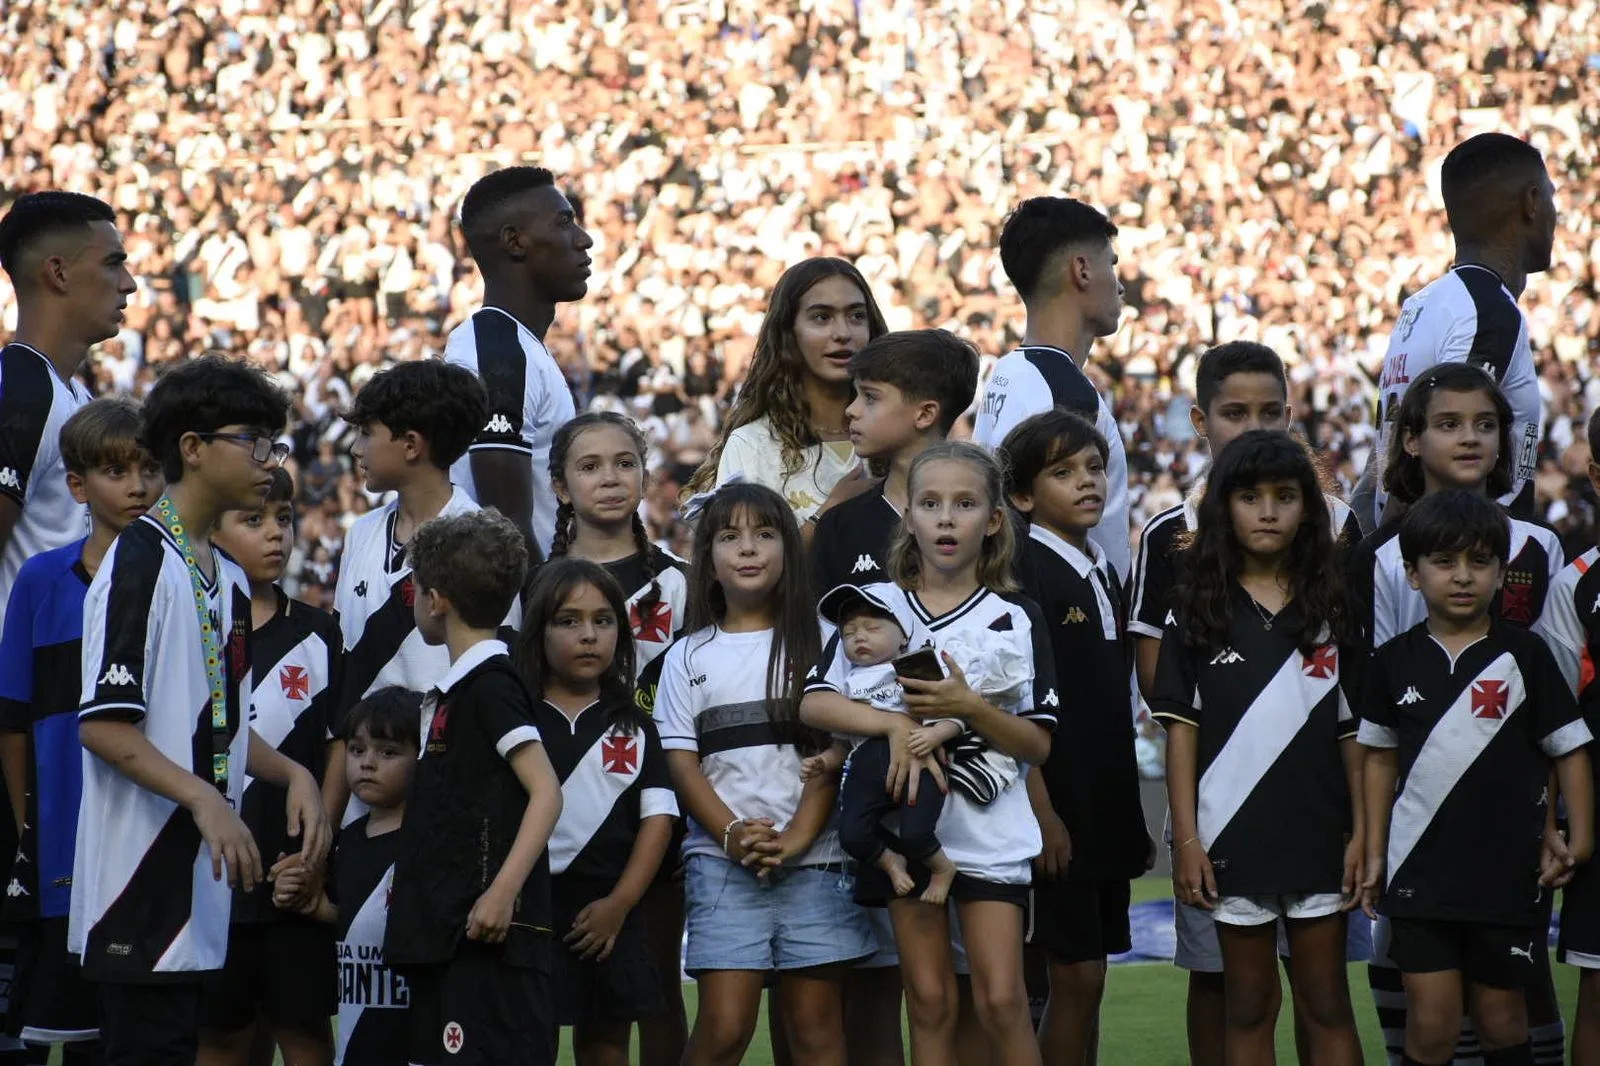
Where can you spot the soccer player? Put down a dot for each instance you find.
(166, 674)
(1058, 253)
(534, 254)
(108, 470)
(1500, 204)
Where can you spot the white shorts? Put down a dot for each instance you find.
(1261, 910)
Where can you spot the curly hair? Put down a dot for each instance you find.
(774, 385)
(445, 404)
(556, 582)
(203, 395)
(1212, 559)
(477, 560)
(997, 559)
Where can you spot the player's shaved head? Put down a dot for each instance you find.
(47, 223)
(1486, 181)
(488, 203)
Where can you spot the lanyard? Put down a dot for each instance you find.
(216, 673)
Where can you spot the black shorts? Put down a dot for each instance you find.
(1579, 944)
(477, 1011)
(1080, 921)
(623, 988)
(51, 1003)
(873, 888)
(283, 972)
(149, 1024)
(1500, 956)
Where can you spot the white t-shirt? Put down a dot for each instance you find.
(753, 450)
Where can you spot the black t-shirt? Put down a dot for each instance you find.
(372, 997)
(465, 808)
(851, 542)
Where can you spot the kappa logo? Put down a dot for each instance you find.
(499, 424)
(1226, 657)
(1411, 696)
(1170, 620)
(1489, 699)
(620, 755)
(1074, 615)
(1050, 699)
(15, 889)
(454, 1037)
(9, 480)
(864, 563)
(361, 588)
(296, 685)
(1322, 663)
(117, 674)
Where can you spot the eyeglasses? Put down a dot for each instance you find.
(261, 448)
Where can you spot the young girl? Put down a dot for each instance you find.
(609, 842)
(763, 861)
(1248, 687)
(951, 563)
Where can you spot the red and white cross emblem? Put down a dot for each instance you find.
(295, 684)
(1489, 699)
(453, 1038)
(655, 625)
(620, 754)
(1322, 662)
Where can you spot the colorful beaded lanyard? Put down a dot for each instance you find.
(216, 674)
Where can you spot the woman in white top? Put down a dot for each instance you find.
(787, 428)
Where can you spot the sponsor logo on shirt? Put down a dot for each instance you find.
(117, 674)
(365, 981)
(296, 685)
(863, 564)
(1226, 657)
(1050, 699)
(9, 480)
(15, 889)
(361, 588)
(499, 424)
(695, 681)
(1489, 699)
(620, 754)
(1411, 696)
(1074, 615)
(993, 402)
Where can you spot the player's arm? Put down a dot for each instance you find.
(491, 915)
(307, 818)
(1577, 788)
(504, 481)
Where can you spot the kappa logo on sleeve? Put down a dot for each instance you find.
(9, 480)
(119, 675)
(499, 424)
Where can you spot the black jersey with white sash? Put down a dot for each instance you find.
(1475, 734)
(1274, 801)
(656, 587)
(372, 997)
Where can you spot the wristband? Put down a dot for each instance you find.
(727, 831)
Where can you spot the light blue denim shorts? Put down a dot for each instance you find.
(801, 919)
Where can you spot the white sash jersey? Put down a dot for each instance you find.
(34, 403)
(712, 700)
(997, 841)
(144, 903)
(1033, 379)
(528, 401)
(1270, 719)
(372, 997)
(656, 619)
(1475, 736)
(1466, 316)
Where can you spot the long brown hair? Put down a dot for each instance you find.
(997, 559)
(774, 386)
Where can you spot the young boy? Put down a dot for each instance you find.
(910, 389)
(414, 420)
(166, 673)
(472, 855)
(1465, 714)
(39, 695)
(382, 759)
(873, 636)
(279, 974)
(1086, 796)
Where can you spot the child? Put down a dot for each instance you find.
(952, 564)
(617, 819)
(381, 758)
(413, 420)
(39, 696)
(1462, 720)
(1086, 795)
(1248, 689)
(762, 861)
(910, 389)
(873, 636)
(469, 924)
(279, 975)
(166, 625)
(1452, 430)
(597, 465)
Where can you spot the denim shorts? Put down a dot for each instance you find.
(801, 919)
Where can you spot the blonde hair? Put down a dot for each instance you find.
(997, 558)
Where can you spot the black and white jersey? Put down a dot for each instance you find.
(372, 997)
(657, 591)
(712, 700)
(34, 403)
(465, 807)
(1270, 719)
(612, 777)
(294, 661)
(1570, 624)
(851, 542)
(1475, 735)
(1092, 773)
(144, 903)
(1155, 572)
(528, 401)
(1037, 378)
(995, 841)
(1466, 316)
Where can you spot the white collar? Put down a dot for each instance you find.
(470, 660)
(1082, 562)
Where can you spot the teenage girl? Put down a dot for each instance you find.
(1248, 686)
(763, 862)
(952, 564)
(577, 658)
(598, 470)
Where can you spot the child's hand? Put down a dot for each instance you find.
(1350, 888)
(934, 767)
(950, 698)
(232, 846)
(307, 819)
(290, 883)
(1556, 861)
(1372, 884)
(594, 931)
(490, 918)
(1052, 862)
(749, 837)
(1193, 880)
(828, 763)
(813, 766)
(774, 853)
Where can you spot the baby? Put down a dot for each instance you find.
(873, 636)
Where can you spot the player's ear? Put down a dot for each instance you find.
(1411, 576)
(1022, 501)
(927, 415)
(1197, 419)
(79, 488)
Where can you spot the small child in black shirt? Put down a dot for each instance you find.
(469, 926)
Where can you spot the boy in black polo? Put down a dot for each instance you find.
(1466, 715)
(469, 926)
(1086, 796)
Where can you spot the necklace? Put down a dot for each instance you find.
(1266, 615)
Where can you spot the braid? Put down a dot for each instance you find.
(652, 597)
(566, 519)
